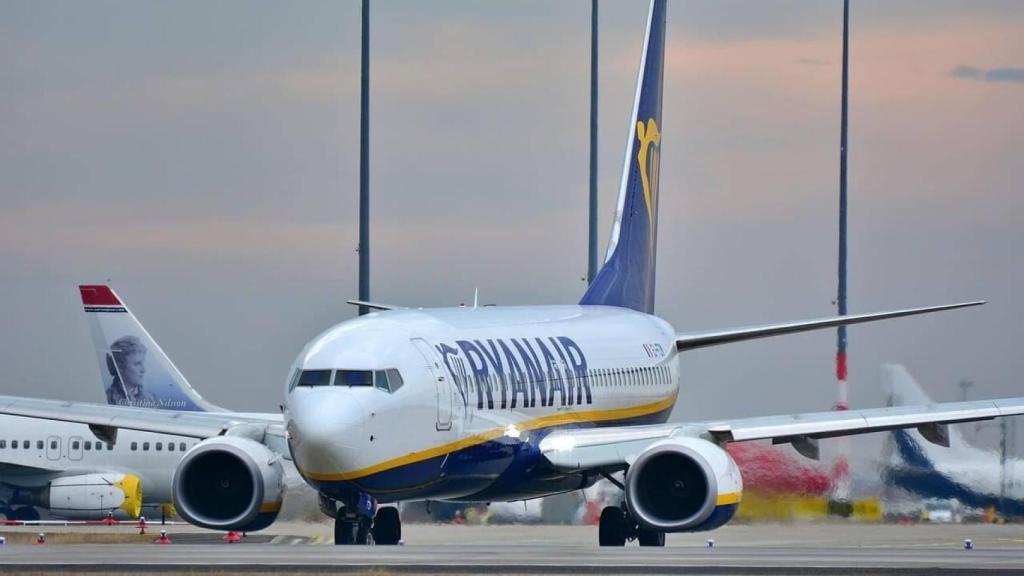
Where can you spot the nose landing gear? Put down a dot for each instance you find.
(356, 523)
(616, 527)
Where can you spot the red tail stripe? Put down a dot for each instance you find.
(98, 295)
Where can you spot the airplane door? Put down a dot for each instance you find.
(53, 448)
(75, 448)
(441, 384)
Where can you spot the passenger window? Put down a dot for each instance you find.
(110, 447)
(3, 444)
(75, 445)
(181, 446)
(53, 444)
(135, 446)
(314, 378)
(25, 444)
(88, 444)
(353, 378)
(159, 446)
(170, 446)
(145, 446)
(394, 379)
(39, 444)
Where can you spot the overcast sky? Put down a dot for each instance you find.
(203, 157)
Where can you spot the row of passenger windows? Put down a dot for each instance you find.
(159, 446)
(597, 378)
(387, 380)
(90, 445)
(643, 376)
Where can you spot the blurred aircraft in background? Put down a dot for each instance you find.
(980, 479)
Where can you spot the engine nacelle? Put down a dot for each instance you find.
(92, 496)
(229, 483)
(682, 485)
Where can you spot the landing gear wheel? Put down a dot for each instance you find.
(363, 534)
(611, 530)
(650, 537)
(348, 531)
(387, 526)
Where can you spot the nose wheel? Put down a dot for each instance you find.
(616, 527)
(384, 529)
(348, 531)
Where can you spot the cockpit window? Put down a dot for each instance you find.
(380, 380)
(394, 379)
(354, 378)
(315, 378)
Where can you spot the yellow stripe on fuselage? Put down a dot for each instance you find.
(480, 438)
(729, 498)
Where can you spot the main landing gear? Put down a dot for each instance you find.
(385, 528)
(617, 527)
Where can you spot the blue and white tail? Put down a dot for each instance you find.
(901, 389)
(133, 369)
(627, 277)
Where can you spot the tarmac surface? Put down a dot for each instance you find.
(831, 548)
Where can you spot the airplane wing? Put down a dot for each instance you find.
(616, 447)
(704, 339)
(105, 418)
(375, 305)
(10, 470)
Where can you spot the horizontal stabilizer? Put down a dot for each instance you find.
(703, 339)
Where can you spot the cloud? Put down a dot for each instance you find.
(991, 75)
(1005, 75)
(966, 72)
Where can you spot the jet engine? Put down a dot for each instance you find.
(683, 485)
(229, 483)
(85, 496)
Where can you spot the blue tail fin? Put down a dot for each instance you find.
(627, 277)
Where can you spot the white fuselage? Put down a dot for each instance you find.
(35, 452)
(482, 386)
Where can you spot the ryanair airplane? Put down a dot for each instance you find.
(499, 403)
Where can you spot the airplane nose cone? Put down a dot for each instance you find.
(325, 430)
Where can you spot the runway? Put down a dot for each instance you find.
(771, 549)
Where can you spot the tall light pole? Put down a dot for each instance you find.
(842, 401)
(841, 488)
(592, 243)
(364, 162)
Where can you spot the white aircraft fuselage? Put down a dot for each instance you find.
(482, 387)
(64, 468)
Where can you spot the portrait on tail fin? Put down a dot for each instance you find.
(126, 363)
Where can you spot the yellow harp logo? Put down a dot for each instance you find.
(648, 157)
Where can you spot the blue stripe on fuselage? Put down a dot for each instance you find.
(504, 468)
